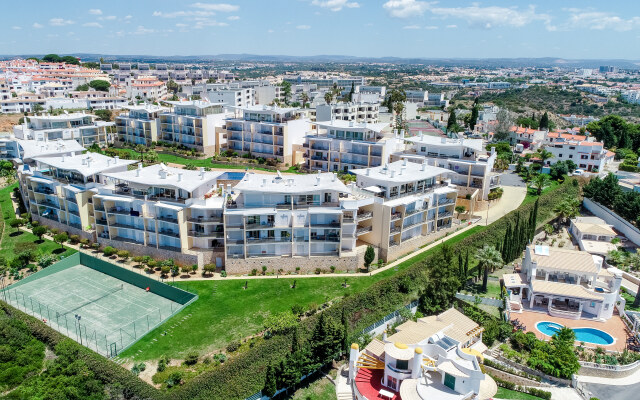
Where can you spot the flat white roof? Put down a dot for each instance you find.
(146, 107)
(84, 164)
(259, 108)
(355, 126)
(294, 184)
(399, 172)
(195, 103)
(161, 175)
(33, 148)
(475, 144)
(62, 117)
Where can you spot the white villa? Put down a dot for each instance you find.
(593, 235)
(436, 357)
(566, 283)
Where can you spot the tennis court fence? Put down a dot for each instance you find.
(108, 343)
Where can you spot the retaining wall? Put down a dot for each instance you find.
(608, 371)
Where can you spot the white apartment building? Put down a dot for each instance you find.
(471, 170)
(24, 151)
(412, 202)
(339, 146)
(529, 138)
(269, 132)
(417, 96)
(238, 97)
(355, 112)
(192, 124)
(146, 87)
(78, 126)
(564, 283)
(588, 156)
(326, 81)
(284, 222)
(593, 235)
(139, 125)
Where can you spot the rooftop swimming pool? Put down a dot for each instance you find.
(587, 335)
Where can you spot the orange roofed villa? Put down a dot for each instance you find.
(436, 357)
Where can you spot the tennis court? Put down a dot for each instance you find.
(98, 310)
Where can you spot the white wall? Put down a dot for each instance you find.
(631, 232)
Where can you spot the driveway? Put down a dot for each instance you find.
(514, 192)
(614, 392)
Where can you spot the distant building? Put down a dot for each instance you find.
(354, 112)
(139, 125)
(77, 126)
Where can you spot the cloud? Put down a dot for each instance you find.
(205, 22)
(180, 25)
(233, 18)
(431, 27)
(492, 16)
(335, 5)
(108, 18)
(37, 25)
(452, 26)
(16, 28)
(597, 20)
(220, 7)
(92, 25)
(95, 11)
(406, 8)
(411, 27)
(60, 22)
(128, 17)
(270, 31)
(303, 27)
(182, 14)
(141, 30)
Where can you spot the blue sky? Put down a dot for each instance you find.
(402, 28)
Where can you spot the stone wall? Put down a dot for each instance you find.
(63, 227)
(612, 372)
(559, 381)
(239, 266)
(158, 254)
(518, 380)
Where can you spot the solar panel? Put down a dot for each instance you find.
(541, 250)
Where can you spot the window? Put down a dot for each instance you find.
(560, 155)
(584, 157)
(402, 364)
(570, 155)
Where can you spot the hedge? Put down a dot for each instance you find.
(105, 370)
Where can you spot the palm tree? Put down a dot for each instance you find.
(488, 257)
(305, 99)
(567, 208)
(544, 155)
(548, 230)
(540, 182)
(328, 97)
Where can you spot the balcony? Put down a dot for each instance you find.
(363, 230)
(396, 216)
(348, 220)
(235, 241)
(72, 200)
(268, 240)
(75, 212)
(167, 218)
(101, 222)
(316, 158)
(394, 230)
(445, 214)
(333, 224)
(215, 235)
(411, 212)
(324, 253)
(363, 216)
(393, 243)
(330, 238)
(262, 225)
(43, 190)
(446, 201)
(120, 211)
(167, 232)
(206, 220)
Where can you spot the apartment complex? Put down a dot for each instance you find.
(339, 146)
(139, 125)
(263, 131)
(77, 126)
(354, 112)
(471, 170)
(24, 151)
(147, 87)
(587, 155)
(192, 124)
(565, 283)
(412, 202)
(326, 82)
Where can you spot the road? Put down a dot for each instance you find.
(614, 392)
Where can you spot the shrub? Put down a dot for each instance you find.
(39, 231)
(209, 268)
(191, 359)
(332, 268)
(124, 254)
(137, 368)
(16, 222)
(74, 239)
(233, 346)
(254, 272)
(46, 260)
(109, 251)
(223, 274)
(318, 271)
(162, 365)
(220, 358)
(174, 379)
(85, 242)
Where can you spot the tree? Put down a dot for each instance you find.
(123, 254)
(328, 97)
(270, 387)
(571, 166)
(16, 222)
(304, 97)
(100, 85)
(559, 170)
(460, 210)
(451, 122)
(351, 92)
(544, 155)
(103, 115)
(488, 257)
(544, 121)
(39, 231)
(61, 238)
(548, 230)
(442, 283)
(473, 120)
(109, 251)
(505, 122)
(567, 208)
(540, 182)
(286, 91)
(369, 255)
(83, 88)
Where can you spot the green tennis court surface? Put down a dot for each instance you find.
(100, 311)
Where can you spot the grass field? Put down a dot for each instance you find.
(320, 389)
(629, 299)
(532, 193)
(512, 394)
(225, 311)
(12, 237)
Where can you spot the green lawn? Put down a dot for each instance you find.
(13, 236)
(512, 394)
(629, 302)
(321, 389)
(493, 289)
(225, 311)
(532, 193)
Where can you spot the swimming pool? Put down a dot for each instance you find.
(587, 335)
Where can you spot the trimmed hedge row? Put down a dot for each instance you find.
(107, 371)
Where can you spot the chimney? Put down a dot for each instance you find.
(138, 169)
(63, 158)
(404, 162)
(317, 180)
(334, 177)
(116, 159)
(264, 182)
(493, 150)
(402, 169)
(424, 166)
(180, 177)
(201, 173)
(88, 163)
(401, 132)
(163, 174)
(395, 132)
(393, 173)
(108, 162)
(368, 171)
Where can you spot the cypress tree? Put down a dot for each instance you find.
(507, 242)
(514, 247)
(295, 339)
(534, 220)
(461, 268)
(270, 385)
(345, 331)
(466, 265)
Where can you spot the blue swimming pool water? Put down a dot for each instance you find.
(587, 335)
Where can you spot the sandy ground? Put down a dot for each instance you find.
(7, 121)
